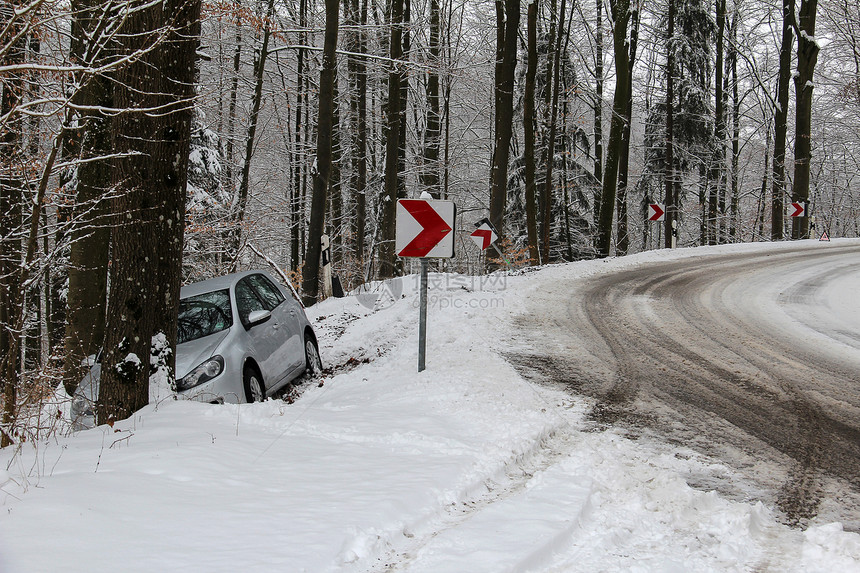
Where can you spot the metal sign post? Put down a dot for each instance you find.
(422, 317)
(424, 229)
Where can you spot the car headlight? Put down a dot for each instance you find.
(203, 373)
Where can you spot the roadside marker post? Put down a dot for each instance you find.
(424, 229)
(325, 254)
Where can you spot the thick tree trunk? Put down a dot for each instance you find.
(623, 240)
(807, 56)
(547, 195)
(90, 233)
(671, 197)
(310, 277)
(151, 178)
(621, 18)
(11, 197)
(387, 255)
(430, 179)
(781, 124)
(718, 154)
(508, 21)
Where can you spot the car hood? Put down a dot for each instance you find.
(191, 354)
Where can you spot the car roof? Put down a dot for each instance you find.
(218, 283)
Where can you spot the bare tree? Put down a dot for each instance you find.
(387, 255)
(507, 27)
(310, 277)
(11, 196)
(807, 56)
(621, 20)
(623, 239)
(90, 232)
(780, 122)
(529, 135)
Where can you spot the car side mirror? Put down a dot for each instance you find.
(258, 316)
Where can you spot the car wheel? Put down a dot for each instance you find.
(254, 389)
(313, 364)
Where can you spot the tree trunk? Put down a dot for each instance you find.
(310, 277)
(529, 133)
(433, 132)
(623, 241)
(404, 98)
(90, 233)
(256, 102)
(297, 202)
(621, 19)
(547, 201)
(736, 135)
(780, 123)
(508, 21)
(358, 105)
(150, 178)
(11, 197)
(718, 154)
(387, 255)
(671, 197)
(335, 192)
(807, 56)
(231, 110)
(598, 108)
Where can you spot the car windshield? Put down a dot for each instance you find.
(203, 315)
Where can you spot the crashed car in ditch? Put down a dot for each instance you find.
(240, 338)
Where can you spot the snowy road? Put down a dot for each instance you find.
(753, 358)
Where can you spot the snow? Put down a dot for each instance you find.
(463, 467)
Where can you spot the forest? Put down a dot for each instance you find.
(148, 144)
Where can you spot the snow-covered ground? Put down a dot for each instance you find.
(464, 467)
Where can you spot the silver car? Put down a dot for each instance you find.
(241, 337)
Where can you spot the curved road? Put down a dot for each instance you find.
(752, 358)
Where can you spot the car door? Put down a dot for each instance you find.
(264, 336)
(290, 353)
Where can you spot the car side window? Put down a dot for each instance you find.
(270, 294)
(247, 300)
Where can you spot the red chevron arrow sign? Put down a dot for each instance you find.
(656, 212)
(484, 235)
(799, 209)
(424, 228)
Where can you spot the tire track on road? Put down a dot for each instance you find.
(684, 339)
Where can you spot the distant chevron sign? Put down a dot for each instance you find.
(799, 209)
(484, 235)
(656, 212)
